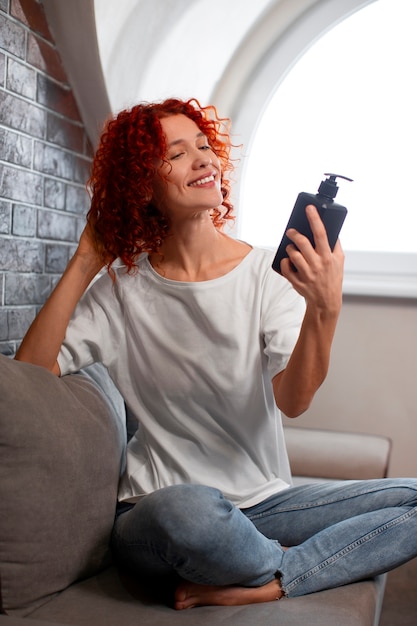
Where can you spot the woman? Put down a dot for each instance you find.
(207, 344)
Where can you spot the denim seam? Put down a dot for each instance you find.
(349, 548)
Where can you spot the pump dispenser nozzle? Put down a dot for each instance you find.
(328, 187)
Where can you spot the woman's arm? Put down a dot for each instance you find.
(44, 338)
(318, 278)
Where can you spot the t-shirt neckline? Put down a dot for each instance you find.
(201, 283)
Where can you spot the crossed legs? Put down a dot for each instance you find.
(337, 533)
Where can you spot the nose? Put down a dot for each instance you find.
(202, 159)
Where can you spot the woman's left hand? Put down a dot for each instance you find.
(318, 276)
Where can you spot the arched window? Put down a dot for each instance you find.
(347, 106)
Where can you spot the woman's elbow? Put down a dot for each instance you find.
(291, 409)
(25, 358)
(289, 400)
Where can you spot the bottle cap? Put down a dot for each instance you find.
(328, 187)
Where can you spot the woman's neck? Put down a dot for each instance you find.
(197, 253)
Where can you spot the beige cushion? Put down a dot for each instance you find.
(61, 446)
(316, 453)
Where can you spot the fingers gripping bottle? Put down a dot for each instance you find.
(332, 215)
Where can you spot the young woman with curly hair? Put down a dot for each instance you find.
(130, 152)
(207, 344)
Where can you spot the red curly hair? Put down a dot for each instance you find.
(123, 217)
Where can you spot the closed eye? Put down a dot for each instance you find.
(176, 156)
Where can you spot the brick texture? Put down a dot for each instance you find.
(45, 160)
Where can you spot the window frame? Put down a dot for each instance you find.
(366, 273)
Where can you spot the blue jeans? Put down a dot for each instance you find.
(337, 533)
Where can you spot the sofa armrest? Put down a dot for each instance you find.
(332, 455)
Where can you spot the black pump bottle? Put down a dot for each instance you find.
(332, 214)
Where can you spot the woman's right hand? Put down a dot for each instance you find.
(87, 250)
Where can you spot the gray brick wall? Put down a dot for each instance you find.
(45, 158)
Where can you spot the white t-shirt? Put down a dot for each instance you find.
(194, 363)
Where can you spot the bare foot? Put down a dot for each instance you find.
(189, 595)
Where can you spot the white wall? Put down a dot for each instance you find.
(372, 382)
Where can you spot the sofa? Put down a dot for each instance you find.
(62, 444)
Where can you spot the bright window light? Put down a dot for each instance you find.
(348, 106)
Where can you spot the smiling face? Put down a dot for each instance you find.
(188, 180)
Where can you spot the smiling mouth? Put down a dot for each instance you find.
(202, 181)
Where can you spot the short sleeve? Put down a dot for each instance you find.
(282, 314)
(95, 330)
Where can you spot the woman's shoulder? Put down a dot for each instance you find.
(261, 257)
(118, 274)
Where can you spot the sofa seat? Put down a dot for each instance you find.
(104, 600)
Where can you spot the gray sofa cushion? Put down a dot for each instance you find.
(105, 600)
(61, 446)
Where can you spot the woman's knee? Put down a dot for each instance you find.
(180, 513)
(187, 510)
